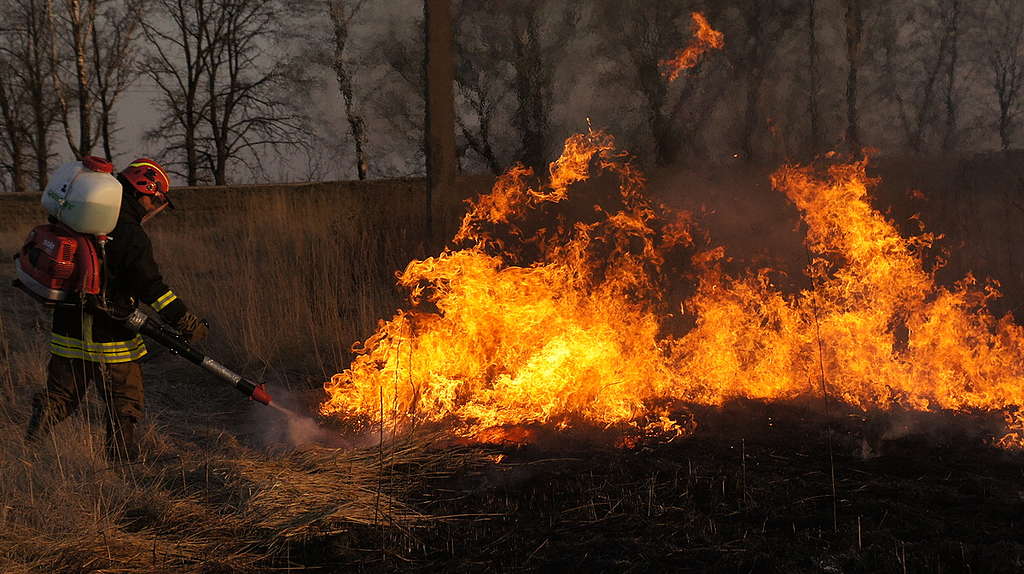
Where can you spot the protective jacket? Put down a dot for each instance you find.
(131, 275)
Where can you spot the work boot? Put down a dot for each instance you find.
(40, 423)
(122, 445)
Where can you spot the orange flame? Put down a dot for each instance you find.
(562, 324)
(704, 38)
(532, 343)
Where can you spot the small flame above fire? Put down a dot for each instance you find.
(705, 38)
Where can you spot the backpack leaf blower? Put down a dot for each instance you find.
(61, 262)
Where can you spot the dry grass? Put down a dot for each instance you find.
(289, 278)
(226, 508)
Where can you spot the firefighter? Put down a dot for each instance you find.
(88, 345)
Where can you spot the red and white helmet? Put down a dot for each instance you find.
(147, 177)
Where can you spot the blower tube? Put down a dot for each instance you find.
(139, 322)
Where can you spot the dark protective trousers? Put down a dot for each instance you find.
(120, 385)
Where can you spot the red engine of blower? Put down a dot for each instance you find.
(57, 264)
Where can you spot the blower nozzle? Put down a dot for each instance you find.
(255, 392)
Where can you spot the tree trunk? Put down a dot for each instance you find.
(924, 112)
(191, 157)
(655, 92)
(440, 105)
(58, 82)
(41, 141)
(486, 150)
(19, 178)
(213, 119)
(195, 61)
(358, 129)
(752, 114)
(37, 72)
(666, 139)
(531, 89)
(814, 140)
(82, 21)
(1004, 124)
(101, 89)
(355, 120)
(13, 135)
(756, 57)
(481, 142)
(949, 140)
(854, 35)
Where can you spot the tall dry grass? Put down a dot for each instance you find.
(285, 282)
(289, 278)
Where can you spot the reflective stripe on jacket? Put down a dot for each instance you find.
(163, 301)
(115, 352)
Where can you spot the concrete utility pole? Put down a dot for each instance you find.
(440, 121)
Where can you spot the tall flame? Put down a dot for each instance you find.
(541, 319)
(889, 334)
(510, 342)
(705, 38)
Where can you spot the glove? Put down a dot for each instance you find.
(192, 327)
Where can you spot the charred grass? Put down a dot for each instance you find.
(751, 491)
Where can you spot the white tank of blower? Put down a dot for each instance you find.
(84, 195)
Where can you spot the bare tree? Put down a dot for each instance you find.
(115, 51)
(342, 13)
(537, 42)
(916, 60)
(482, 80)
(952, 18)
(484, 98)
(760, 29)
(398, 100)
(246, 110)
(1004, 51)
(73, 20)
(512, 76)
(47, 44)
(24, 45)
(221, 90)
(640, 35)
(177, 65)
(14, 128)
(94, 43)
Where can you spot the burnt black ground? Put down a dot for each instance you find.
(750, 491)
